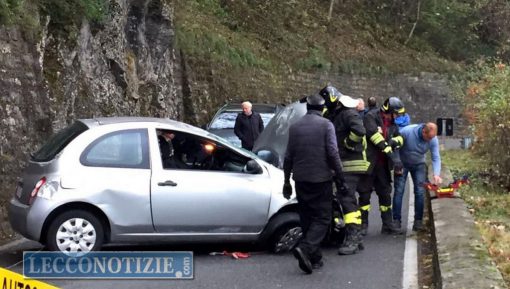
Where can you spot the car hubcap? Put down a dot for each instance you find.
(76, 235)
(289, 240)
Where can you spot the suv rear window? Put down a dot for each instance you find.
(58, 142)
(227, 120)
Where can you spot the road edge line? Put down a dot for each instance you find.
(410, 272)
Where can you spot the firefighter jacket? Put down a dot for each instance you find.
(377, 143)
(352, 144)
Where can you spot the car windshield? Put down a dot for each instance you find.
(231, 141)
(227, 119)
(58, 142)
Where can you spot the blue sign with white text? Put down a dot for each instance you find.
(108, 265)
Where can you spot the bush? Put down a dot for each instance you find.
(8, 10)
(487, 101)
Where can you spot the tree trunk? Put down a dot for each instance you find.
(415, 23)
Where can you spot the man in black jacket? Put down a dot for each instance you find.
(248, 126)
(311, 156)
(167, 149)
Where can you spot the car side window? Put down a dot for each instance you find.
(198, 153)
(121, 149)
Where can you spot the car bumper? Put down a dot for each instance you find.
(18, 213)
(25, 220)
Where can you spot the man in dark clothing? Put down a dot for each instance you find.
(350, 134)
(311, 156)
(383, 141)
(166, 149)
(372, 103)
(248, 126)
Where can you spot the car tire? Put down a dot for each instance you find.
(75, 231)
(285, 238)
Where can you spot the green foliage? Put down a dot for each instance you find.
(19, 12)
(217, 48)
(210, 6)
(9, 9)
(487, 101)
(68, 15)
(316, 60)
(450, 26)
(65, 15)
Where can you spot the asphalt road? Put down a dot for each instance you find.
(379, 266)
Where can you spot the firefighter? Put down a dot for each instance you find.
(331, 96)
(351, 141)
(383, 141)
(311, 157)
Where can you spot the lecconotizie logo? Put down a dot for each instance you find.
(108, 265)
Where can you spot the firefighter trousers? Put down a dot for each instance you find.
(347, 199)
(380, 180)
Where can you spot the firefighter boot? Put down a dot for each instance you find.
(352, 243)
(389, 227)
(364, 222)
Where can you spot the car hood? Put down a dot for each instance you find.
(275, 136)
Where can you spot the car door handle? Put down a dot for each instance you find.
(167, 183)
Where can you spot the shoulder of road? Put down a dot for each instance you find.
(462, 259)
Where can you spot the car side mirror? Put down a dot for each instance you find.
(268, 157)
(252, 167)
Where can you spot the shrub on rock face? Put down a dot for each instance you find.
(487, 100)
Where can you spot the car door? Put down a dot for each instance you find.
(206, 200)
(114, 175)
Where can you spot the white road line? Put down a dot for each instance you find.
(410, 275)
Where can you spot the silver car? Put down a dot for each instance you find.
(103, 181)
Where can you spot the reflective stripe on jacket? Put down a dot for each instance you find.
(351, 140)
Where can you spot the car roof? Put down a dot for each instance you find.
(91, 122)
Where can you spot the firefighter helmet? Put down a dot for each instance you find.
(331, 95)
(393, 105)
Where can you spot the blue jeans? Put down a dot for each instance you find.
(419, 176)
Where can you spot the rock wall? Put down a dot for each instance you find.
(125, 67)
(426, 96)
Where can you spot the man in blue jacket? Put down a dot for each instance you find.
(418, 139)
(313, 160)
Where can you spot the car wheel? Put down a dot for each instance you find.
(76, 231)
(286, 238)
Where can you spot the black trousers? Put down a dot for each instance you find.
(315, 209)
(347, 198)
(380, 180)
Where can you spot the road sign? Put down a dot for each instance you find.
(445, 126)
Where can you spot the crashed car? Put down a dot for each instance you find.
(271, 146)
(223, 122)
(103, 181)
(272, 142)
